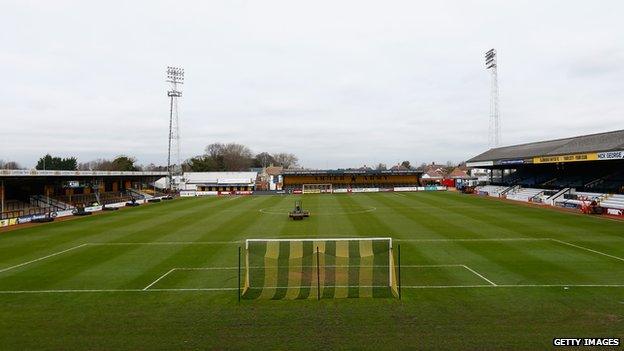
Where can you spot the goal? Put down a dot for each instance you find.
(319, 268)
(317, 188)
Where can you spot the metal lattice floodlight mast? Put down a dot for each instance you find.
(494, 128)
(175, 77)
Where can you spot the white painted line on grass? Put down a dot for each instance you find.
(165, 243)
(588, 249)
(42, 258)
(479, 275)
(473, 239)
(194, 289)
(60, 291)
(159, 278)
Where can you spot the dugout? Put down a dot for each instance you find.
(593, 163)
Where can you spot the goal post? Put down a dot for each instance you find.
(319, 268)
(316, 189)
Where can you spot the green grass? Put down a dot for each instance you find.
(450, 306)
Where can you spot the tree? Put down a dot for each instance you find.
(9, 165)
(285, 160)
(124, 163)
(263, 159)
(406, 164)
(48, 162)
(201, 163)
(154, 168)
(236, 157)
(381, 167)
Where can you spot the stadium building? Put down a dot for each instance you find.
(28, 194)
(570, 172)
(346, 181)
(217, 183)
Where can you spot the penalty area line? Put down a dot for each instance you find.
(479, 275)
(159, 278)
(42, 258)
(587, 249)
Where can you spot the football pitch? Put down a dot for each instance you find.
(476, 273)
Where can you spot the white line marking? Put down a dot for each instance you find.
(325, 266)
(479, 275)
(167, 243)
(399, 194)
(232, 289)
(324, 239)
(587, 249)
(195, 289)
(108, 290)
(162, 276)
(445, 286)
(474, 239)
(42, 258)
(515, 286)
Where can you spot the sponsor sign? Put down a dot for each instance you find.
(93, 208)
(480, 164)
(206, 193)
(365, 190)
(566, 158)
(510, 162)
(611, 155)
(615, 212)
(406, 188)
(4, 223)
(117, 204)
(64, 213)
(341, 191)
(24, 219)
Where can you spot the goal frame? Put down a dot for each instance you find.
(324, 188)
(392, 279)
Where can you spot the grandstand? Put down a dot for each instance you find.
(567, 172)
(344, 181)
(28, 194)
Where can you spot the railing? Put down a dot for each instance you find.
(45, 201)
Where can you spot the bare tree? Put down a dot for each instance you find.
(9, 165)
(286, 160)
(237, 157)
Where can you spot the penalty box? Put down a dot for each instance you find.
(449, 262)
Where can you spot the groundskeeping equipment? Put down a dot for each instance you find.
(318, 268)
(298, 213)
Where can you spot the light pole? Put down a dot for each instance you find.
(175, 76)
(494, 128)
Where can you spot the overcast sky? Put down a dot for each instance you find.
(338, 83)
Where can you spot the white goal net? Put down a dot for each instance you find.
(319, 268)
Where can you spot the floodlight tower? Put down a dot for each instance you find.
(494, 129)
(175, 77)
